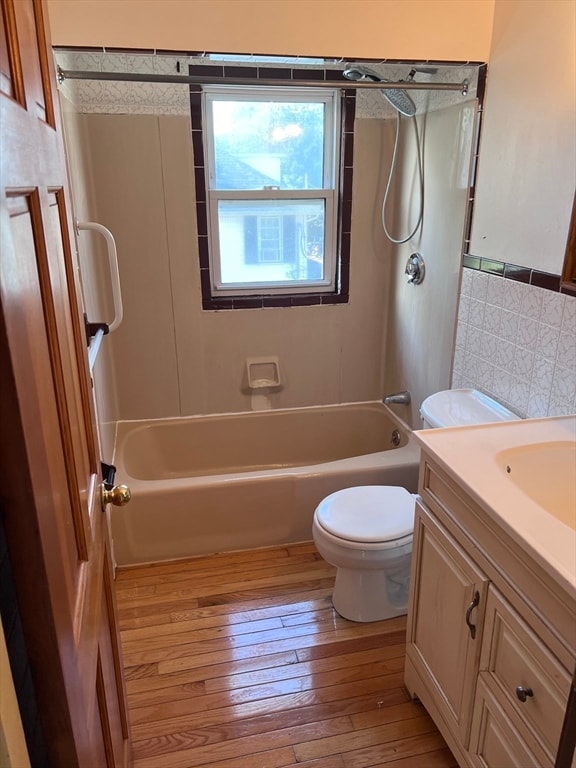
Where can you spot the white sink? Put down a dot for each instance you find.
(546, 472)
(523, 474)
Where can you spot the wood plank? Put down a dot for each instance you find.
(207, 588)
(217, 617)
(205, 562)
(145, 642)
(154, 680)
(235, 728)
(367, 737)
(275, 758)
(164, 720)
(267, 606)
(258, 592)
(418, 748)
(260, 698)
(267, 685)
(217, 651)
(332, 664)
(440, 758)
(334, 761)
(238, 660)
(252, 670)
(219, 572)
(251, 745)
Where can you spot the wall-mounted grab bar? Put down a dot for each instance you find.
(113, 264)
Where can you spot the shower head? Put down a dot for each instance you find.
(399, 99)
(361, 73)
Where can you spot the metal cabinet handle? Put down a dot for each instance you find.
(473, 604)
(523, 693)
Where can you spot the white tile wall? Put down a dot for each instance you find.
(516, 343)
(110, 97)
(116, 97)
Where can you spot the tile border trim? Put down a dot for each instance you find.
(520, 274)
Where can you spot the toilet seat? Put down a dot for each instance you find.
(368, 513)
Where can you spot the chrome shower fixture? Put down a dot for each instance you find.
(399, 99)
(403, 105)
(415, 268)
(399, 398)
(422, 71)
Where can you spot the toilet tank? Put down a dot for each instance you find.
(461, 407)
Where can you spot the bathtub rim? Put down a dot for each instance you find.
(394, 416)
(410, 452)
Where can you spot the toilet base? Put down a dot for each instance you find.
(364, 595)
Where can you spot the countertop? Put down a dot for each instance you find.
(523, 475)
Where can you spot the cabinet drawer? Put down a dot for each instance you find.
(513, 656)
(495, 742)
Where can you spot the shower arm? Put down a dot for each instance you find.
(136, 77)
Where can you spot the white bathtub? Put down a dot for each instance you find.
(207, 484)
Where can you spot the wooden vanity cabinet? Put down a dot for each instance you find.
(491, 637)
(448, 586)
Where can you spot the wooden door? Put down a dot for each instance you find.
(49, 461)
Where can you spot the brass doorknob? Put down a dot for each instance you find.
(119, 495)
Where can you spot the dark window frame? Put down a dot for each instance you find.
(347, 114)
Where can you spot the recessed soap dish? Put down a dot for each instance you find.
(263, 372)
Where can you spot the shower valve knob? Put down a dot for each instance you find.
(415, 269)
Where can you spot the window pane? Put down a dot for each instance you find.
(268, 145)
(271, 241)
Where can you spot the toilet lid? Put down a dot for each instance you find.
(368, 513)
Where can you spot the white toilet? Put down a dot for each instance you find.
(366, 531)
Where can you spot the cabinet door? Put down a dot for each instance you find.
(495, 742)
(445, 623)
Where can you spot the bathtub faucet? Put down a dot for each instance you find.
(400, 398)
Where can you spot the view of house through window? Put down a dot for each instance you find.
(272, 188)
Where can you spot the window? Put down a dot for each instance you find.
(273, 187)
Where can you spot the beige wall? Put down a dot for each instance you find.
(517, 342)
(421, 318)
(127, 173)
(525, 141)
(95, 273)
(395, 29)
(527, 166)
(170, 357)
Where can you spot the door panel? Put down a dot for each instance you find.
(12, 83)
(111, 669)
(77, 443)
(49, 460)
(29, 24)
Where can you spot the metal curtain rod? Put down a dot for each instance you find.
(69, 74)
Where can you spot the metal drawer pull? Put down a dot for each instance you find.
(473, 604)
(524, 693)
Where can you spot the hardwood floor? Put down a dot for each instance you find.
(239, 661)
